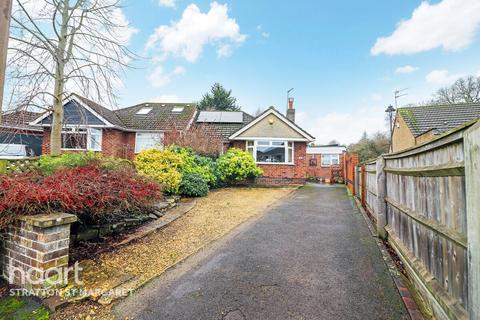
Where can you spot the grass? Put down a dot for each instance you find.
(19, 309)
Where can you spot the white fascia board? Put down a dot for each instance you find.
(46, 114)
(308, 137)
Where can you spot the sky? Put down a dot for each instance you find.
(344, 59)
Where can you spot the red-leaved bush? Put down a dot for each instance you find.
(93, 194)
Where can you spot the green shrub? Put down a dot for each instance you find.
(193, 163)
(193, 185)
(161, 165)
(237, 165)
(48, 164)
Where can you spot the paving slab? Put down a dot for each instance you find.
(311, 257)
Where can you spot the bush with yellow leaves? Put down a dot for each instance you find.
(163, 166)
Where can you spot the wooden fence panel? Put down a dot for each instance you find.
(427, 220)
(371, 189)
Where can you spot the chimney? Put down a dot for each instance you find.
(290, 110)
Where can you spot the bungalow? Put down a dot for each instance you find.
(277, 144)
(416, 125)
(118, 133)
(15, 129)
(324, 160)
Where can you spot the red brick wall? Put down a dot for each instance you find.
(46, 141)
(283, 173)
(321, 172)
(115, 143)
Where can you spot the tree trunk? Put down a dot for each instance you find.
(5, 13)
(57, 115)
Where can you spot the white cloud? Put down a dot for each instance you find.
(406, 69)
(376, 97)
(345, 127)
(159, 78)
(449, 24)
(224, 51)
(187, 37)
(167, 98)
(179, 71)
(442, 77)
(167, 3)
(263, 33)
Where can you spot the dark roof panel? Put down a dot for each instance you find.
(222, 130)
(440, 118)
(162, 117)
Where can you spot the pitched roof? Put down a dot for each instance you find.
(106, 113)
(161, 117)
(272, 110)
(19, 119)
(439, 118)
(222, 129)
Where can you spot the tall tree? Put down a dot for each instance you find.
(463, 90)
(219, 98)
(59, 47)
(5, 12)
(370, 147)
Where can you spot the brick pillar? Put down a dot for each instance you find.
(37, 245)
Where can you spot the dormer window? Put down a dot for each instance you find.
(177, 109)
(144, 111)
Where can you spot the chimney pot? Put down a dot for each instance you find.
(290, 110)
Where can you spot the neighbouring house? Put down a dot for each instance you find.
(325, 161)
(417, 125)
(220, 125)
(15, 129)
(119, 133)
(278, 145)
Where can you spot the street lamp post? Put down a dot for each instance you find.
(390, 110)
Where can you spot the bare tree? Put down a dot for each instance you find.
(5, 12)
(463, 90)
(59, 47)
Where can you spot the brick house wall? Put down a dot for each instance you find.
(317, 171)
(46, 141)
(115, 143)
(283, 173)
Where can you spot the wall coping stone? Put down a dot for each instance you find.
(49, 220)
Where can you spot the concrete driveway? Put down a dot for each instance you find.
(310, 257)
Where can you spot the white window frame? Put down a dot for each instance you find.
(88, 132)
(330, 162)
(251, 146)
(160, 136)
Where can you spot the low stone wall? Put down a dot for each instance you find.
(33, 246)
(82, 232)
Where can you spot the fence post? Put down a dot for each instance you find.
(381, 193)
(355, 180)
(472, 181)
(364, 183)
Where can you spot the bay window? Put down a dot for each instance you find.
(271, 151)
(330, 160)
(75, 138)
(148, 140)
